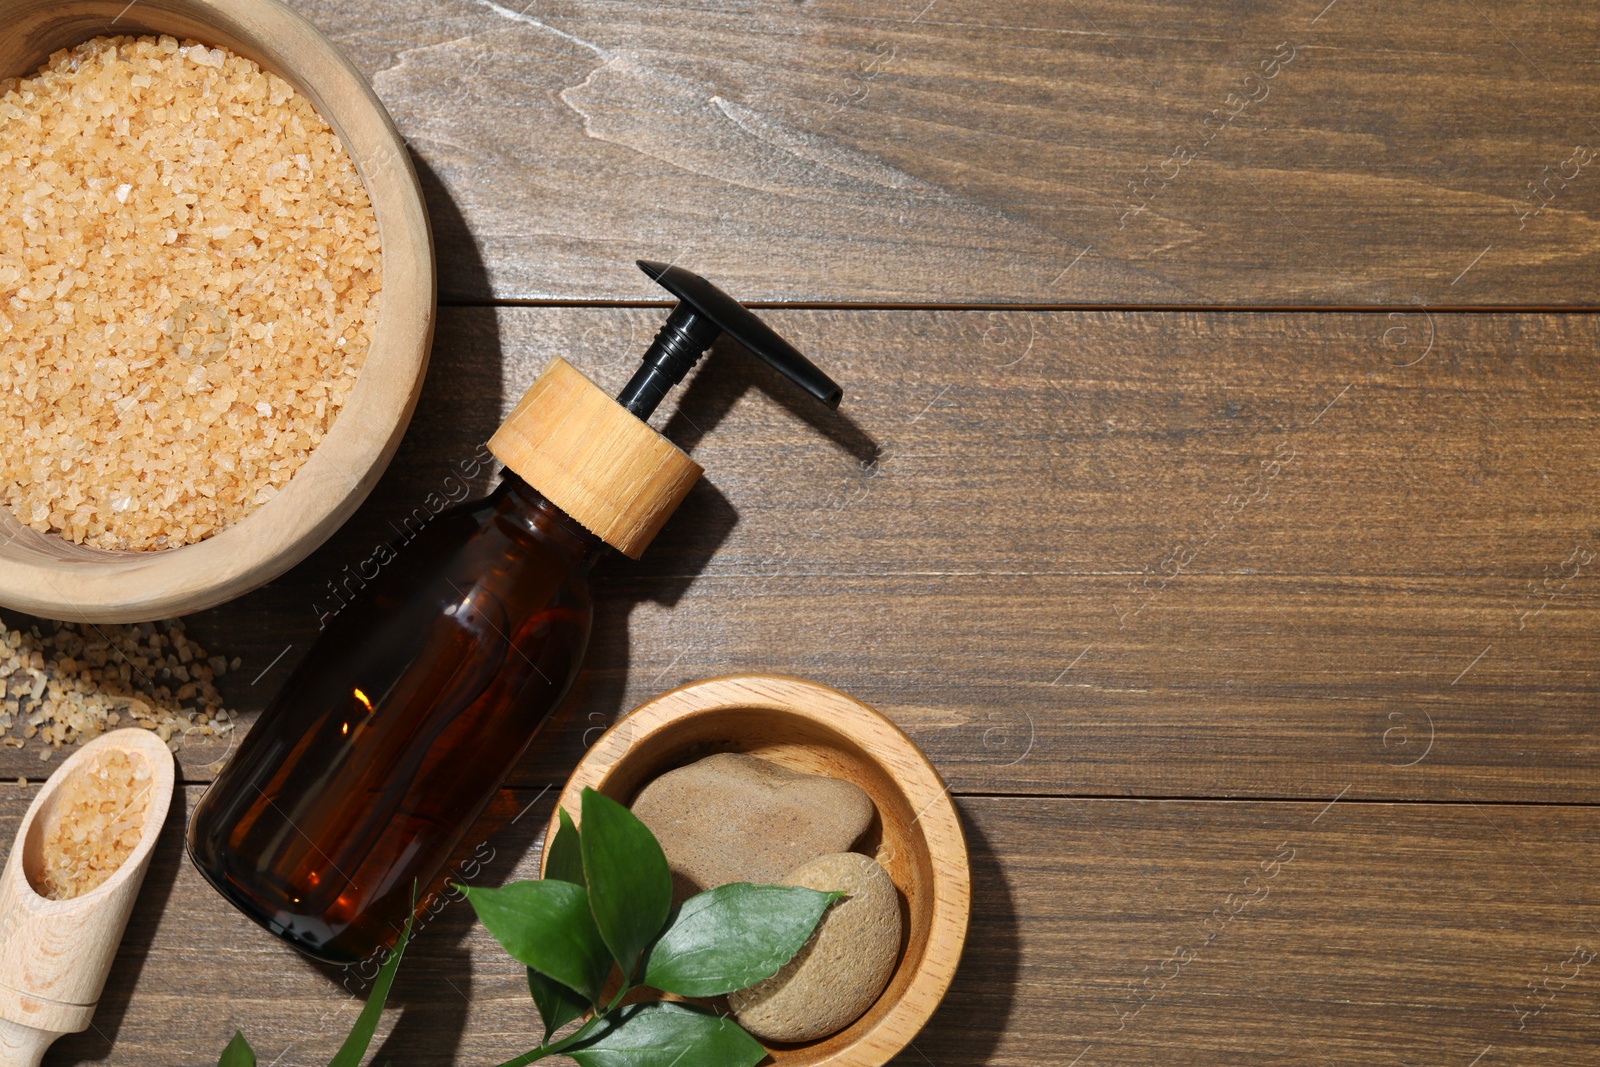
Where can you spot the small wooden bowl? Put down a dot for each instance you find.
(55, 954)
(818, 730)
(47, 575)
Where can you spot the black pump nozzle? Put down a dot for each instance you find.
(704, 312)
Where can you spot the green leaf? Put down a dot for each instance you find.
(565, 861)
(630, 888)
(732, 937)
(355, 1046)
(546, 925)
(238, 1053)
(557, 1004)
(667, 1035)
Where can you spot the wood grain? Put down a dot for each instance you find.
(1307, 934)
(962, 152)
(1107, 568)
(1265, 933)
(998, 580)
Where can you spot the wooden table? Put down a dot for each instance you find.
(1213, 500)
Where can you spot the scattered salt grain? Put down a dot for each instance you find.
(74, 682)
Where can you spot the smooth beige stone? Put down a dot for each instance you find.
(843, 968)
(736, 818)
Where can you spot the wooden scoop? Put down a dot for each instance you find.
(55, 954)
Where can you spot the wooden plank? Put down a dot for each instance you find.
(1121, 932)
(1255, 933)
(1159, 554)
(1103, 151)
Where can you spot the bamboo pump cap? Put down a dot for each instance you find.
(597, 459)
(593, 459)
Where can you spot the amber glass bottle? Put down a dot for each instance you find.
(362, 776)
(371, 763)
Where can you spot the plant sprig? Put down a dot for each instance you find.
(604, 907)
(240, 1054)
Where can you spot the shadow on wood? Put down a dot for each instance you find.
(599, 698)
(507, 840)
(728, 373)
(976, 1011)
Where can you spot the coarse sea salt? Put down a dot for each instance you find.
(237, 236)
(65, 683)
(97, 823)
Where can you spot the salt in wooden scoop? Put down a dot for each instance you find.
(69, 884)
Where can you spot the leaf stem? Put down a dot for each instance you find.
(573, 1038)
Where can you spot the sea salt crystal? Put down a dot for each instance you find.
(262, 317)
(97, 822)
(205, 57)
(85, 681)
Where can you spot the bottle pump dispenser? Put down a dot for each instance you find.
(359, 780)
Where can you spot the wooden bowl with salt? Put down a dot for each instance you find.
(811, 728)
(70, 882)
(45, 573)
